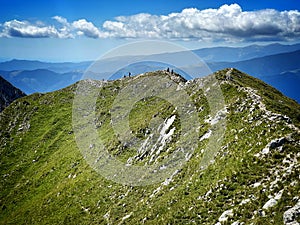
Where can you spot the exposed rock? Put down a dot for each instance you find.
(278, 195)
(278, 142)
(261, 213)
(8, 93)
(206, 135)
(292, 215)
(225, 215)
(269, 204)
(228, 74)
(126, 217)
(273, 144)
(221, 114)
(245, 201)
(155, 142)
(257, 184)
(237, 223)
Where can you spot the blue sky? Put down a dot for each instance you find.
(77, 30)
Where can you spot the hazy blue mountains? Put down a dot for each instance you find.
(276, 64)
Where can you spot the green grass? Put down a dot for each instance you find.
(45, 180)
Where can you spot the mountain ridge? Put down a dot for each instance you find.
(253, 179)
(271, 69)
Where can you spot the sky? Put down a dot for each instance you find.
(77, 30)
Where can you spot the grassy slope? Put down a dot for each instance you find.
(45, 180)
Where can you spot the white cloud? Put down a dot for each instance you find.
(80, 27)
(86, 28)
(61, 20)
(227, 23)
(15, 28)
(65, 30)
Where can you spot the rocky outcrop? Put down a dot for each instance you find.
(8, 93)
(292, 215)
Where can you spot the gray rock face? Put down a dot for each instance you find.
(8, 93)
(278, 142)
(225, 215)
(292, 215)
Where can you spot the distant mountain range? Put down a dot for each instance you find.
(229, 54)
(62, 67)
(264, 66)
(215, 54)
(8, 93)
(40, 80)
(276, 64)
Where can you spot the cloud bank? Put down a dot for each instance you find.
(227, 23)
